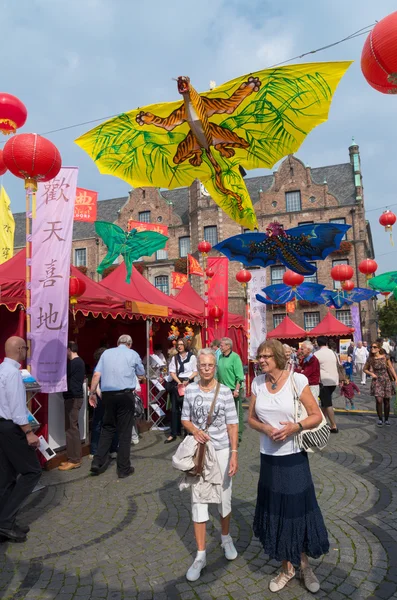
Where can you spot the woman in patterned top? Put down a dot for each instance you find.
(223, 433)
(380, 368)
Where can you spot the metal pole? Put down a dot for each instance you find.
(28, 278)
(248, 330)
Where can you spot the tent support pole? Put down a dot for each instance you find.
(148, 327)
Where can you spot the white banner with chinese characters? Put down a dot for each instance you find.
(52, 231)
(258, 328)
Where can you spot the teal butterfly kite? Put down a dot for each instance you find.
(132, 245)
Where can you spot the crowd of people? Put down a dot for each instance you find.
(206, 391)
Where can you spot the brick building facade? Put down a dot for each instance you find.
(293, 195)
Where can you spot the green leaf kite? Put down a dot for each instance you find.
(132, 245)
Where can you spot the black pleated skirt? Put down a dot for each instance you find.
(288, 520)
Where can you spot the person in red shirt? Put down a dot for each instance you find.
(347, 390)
(310, 367)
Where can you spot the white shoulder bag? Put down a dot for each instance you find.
(310, 438)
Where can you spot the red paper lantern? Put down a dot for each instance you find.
(32, 158)
(204, 247)
(77, 288)
(368, 267)
(210, 272)
(386, 294)
(342, 272)
(379, 56)
(3, 168)
(216, 313)
(293, 279)
(348, 286)
(13, 113)
(244, 276)
(387, 219)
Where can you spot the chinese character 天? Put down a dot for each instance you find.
(53, 231)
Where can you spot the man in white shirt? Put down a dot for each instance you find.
(329, 379)
(360, 357)
(19, 466)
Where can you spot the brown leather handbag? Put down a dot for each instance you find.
(199, 456)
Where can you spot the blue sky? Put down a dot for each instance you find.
(76, 61)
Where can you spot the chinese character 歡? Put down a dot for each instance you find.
(54, 190)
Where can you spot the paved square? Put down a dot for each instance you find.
(101, 537)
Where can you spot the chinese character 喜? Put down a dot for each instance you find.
(50, 277)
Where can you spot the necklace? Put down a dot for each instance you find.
(275, 383)
(207, 388)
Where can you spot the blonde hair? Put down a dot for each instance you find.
(277, 349)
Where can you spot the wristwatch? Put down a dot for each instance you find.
(300, 426)
(28, 431)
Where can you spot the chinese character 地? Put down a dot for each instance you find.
(50, 277)
(55, 190)
(53, 231)
(49, 318)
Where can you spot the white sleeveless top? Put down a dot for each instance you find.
(273, 408)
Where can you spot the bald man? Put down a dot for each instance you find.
(19, 466)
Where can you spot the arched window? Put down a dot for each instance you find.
(161, 283)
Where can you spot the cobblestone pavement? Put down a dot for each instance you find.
(104, 538)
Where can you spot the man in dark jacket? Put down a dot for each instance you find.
(73, 403)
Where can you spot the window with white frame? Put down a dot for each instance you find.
(184, 246)
(161, 254)
(80, 257)
(161, 283)
(211, 234)
(344, 316)
(293, 201)
(340, 221)
(341, 261)
(277, 319)
(276, 274)
(312, 319)
(311, 278)
(144, 216)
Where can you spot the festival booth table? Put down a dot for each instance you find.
(98, 318)
(236, 323)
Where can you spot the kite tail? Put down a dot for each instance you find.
(219, 183)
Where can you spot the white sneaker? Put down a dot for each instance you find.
(380, 423)
(387, 422)
(195, 570)
(91, 456)
(113, 455)
(279, 582)
(135, 441)
(310, 580)
(229, 549)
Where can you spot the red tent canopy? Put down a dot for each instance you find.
(331, 326)
(188, 296)
(288, 330)
(141, 290)
(96, 299)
